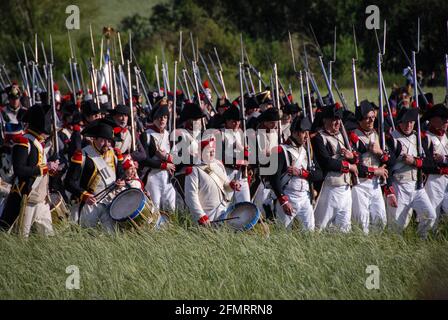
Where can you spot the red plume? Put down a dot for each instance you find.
(205, 84)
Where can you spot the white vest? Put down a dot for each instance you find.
(300, 161)
(402, 171)
(336, 143)
(368, 159)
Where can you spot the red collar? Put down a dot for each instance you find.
(438, 132)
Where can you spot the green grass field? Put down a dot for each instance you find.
(185, 262)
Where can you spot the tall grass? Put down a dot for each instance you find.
(188, 262)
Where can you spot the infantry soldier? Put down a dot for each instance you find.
(29, 194)
(437, 184)
(403, 192)
(291, 182)
(159, 161)
(368, 206)
(235, 153)
(337, 162)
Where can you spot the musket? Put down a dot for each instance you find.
(195, 59)
(174, 113)
(165, 85)
(45, 59)
(355, 179)
(216, 71)
(446, 73)
(184, 74)
(341, 95)
(420, 90)
(420, 152)
(330, 64)
(180, 46)
(133, 145)
(201, 88)
(277, 100)
(243, 113)
(386, 97)
(308, 92)
(354, 60)
(156, 67)
(209, 75)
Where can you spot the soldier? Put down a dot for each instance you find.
(337, 162)
(159, 161)
(235, 152)
(291, 181)
(217, 121)
(121, 116)
(368, 207)
(28, 200)
(267, 141)
(96, 169)
(290, 111)
(207, 187)
(437, 183)
(403, 191)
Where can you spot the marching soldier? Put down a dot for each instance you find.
(368, 207)
(207, 187)
(403, 192)
(121, 116)
(28, 199)
(291, 182)
(334, 205)
(437, 184)
(235, 153)
(94, 170)
(290, 112)
(159, 161)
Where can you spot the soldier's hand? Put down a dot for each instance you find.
(287, 209)
(382, 172)
(392, 201)
(171, 168)
(375, 149)
(120, 183)
(347, 154)
(53, 166)
(293, 171)
(408, 159)
(90, 200)
(353, 169)
(235, 185)
(439, 158)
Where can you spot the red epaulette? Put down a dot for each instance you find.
(423, 134)
(279, 149)
(118, 154)
(77, 157)
(188, 170)
(20, 140)
(354, 137)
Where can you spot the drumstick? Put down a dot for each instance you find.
(104, 190)
(106, 194)
(226, 219)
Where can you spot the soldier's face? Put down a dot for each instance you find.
(332, 125)
(270, 125)
(407, 127)
(300, 136)
(93, 117)
(368, 122)
(15, 103)
(232, 124)
(161, 122)
(439, 123)
(102, 144)
(121, 120)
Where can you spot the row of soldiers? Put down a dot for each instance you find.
(327, 173)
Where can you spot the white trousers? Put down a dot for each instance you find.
(262, 197)
(244, 194)
(409, 198)
(38, 215)
(368, 207)
(334, 208)
(302, 211)
(162, 192)
(437, 189)
(91, 215)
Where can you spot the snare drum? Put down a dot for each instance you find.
(243, 216)
(132, 208)
(58, 208)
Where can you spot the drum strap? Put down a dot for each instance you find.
(217, 179)
(104, 170)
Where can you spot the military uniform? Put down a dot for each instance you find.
(404, 181)
(28, 199)
(91, 171)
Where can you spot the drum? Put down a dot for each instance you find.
(242, 216)
(131, 208)
(58, 208)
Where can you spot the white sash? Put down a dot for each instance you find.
(106, 173)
